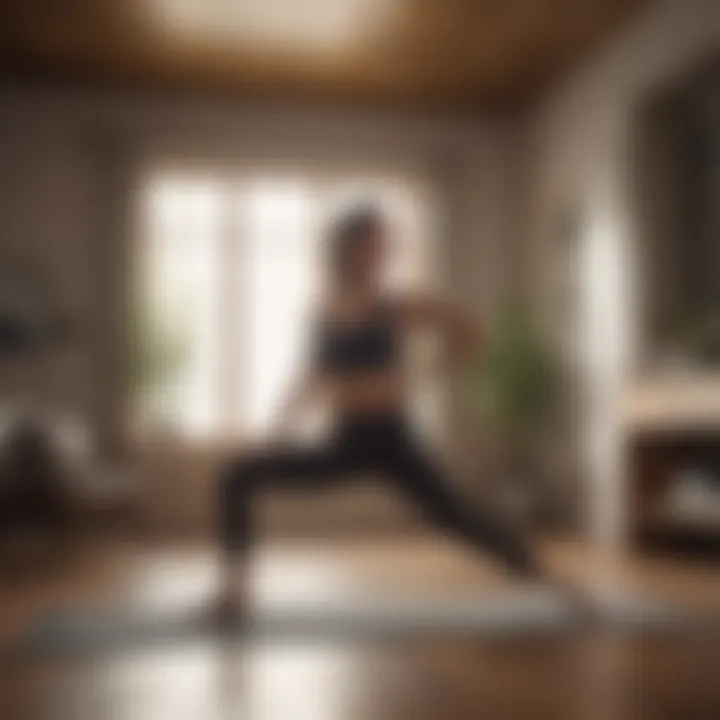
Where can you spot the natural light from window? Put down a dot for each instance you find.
(229, 270)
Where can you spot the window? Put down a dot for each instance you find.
(227, 267)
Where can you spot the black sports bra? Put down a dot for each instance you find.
(372, 344)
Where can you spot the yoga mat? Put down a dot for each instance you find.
(500, 615)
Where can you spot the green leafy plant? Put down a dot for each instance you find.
(157, 350)
(515, 387)
(701, 339)
(515, 378)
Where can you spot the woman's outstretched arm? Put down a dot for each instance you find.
(461, 335)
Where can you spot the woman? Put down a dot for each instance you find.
(356, 366)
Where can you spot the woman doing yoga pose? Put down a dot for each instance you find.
(357, 367)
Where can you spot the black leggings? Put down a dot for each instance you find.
(383, 445)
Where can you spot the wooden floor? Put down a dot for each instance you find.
(593, 677)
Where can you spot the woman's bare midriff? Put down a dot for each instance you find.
(365, 393)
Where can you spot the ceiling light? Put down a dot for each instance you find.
(311, 25)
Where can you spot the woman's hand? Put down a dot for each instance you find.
(280, 434)
(460, 334)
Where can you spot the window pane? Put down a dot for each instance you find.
(281, 245)
(225, 298)
(177, 317)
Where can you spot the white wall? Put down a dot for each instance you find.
(581, 137)
(67, 160)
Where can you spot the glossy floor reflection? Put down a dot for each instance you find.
(608, 676)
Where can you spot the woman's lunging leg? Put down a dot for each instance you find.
(419, 477)
(239, 485)
(242, 480)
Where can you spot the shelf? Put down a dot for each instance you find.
(663, 519)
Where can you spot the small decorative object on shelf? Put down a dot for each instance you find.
(29, 319)
(695, 495)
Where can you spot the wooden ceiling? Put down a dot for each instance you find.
(469, 53)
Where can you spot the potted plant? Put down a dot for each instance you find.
(701, 338)
(157, 352)
(515, 388)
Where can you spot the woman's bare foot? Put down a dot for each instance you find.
(229, 608)
(231, 605)
(580, 598)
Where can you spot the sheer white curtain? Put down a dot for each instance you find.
(228, 267)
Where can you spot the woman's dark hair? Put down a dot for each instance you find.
(350, 230)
